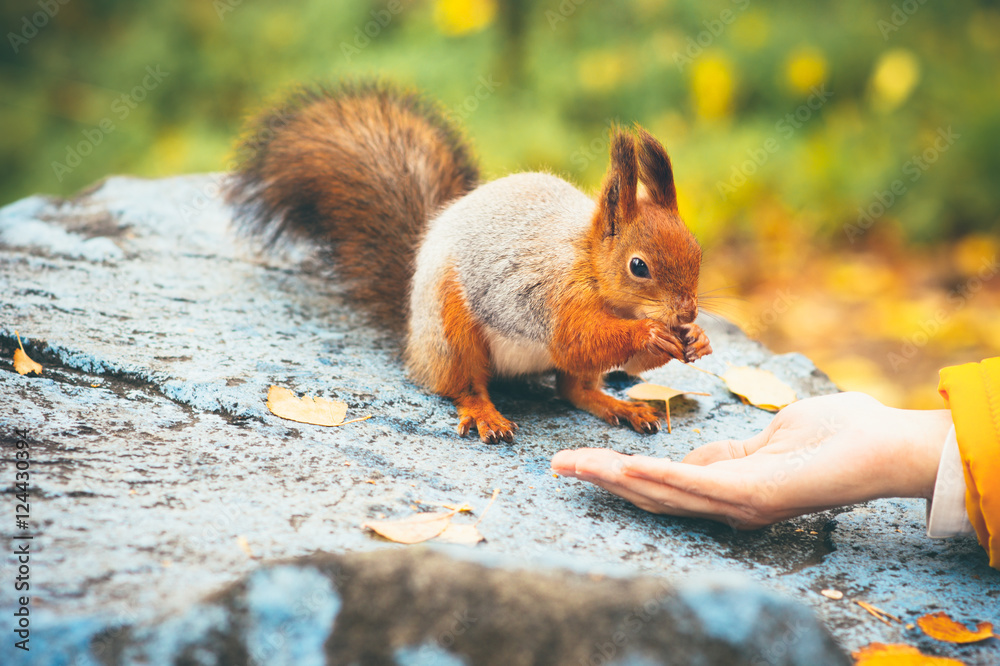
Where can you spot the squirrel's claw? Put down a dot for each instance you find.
(664, 342)
(464, 425)
(489, 423)
(696, 343)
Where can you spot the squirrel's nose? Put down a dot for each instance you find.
(687, 311)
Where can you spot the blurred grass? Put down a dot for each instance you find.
(789, 125)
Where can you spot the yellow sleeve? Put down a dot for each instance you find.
(972, 392)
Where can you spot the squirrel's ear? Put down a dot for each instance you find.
(655, 170)
(618, 197)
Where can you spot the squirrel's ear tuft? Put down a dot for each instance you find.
(618, 196)
(655, 170)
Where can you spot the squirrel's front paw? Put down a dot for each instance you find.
(695, 341)
(662, 341)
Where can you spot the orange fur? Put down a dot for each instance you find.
(363, 168)
(466, 376)
(607, 317)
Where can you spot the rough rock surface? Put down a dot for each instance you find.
(158, 476)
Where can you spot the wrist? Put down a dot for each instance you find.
(922, 437)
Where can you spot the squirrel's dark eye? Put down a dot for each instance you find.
(638, 268)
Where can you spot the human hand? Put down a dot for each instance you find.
(816, 454)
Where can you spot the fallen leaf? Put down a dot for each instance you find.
(655, 392)
(836, 595)
(759, 388)
(881, 654)
(943, 628)
(22, 362)
(468, 535)
(416, 528)
(316, 411)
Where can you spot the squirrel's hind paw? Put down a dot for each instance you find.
(490, 424)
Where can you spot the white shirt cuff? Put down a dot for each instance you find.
(946, 516)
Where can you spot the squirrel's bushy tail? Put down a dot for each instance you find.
(359, 169)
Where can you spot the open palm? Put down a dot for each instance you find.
(816, 454)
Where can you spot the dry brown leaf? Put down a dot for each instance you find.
(655, 392)
(882, 654)
(836, 595)
(416, 528)
(759, 388)
(468, 535)
(316, 411)
(22, 362)
(943, 628)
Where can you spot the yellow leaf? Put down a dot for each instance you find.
(805, 69)
(881, 654)
(713, 86)
(467, 535)
(22, 362)
(896, 74)
(317, 411)
(943, 628)
(416, 528)
(653, 392)
(459, 17)
(759, 388)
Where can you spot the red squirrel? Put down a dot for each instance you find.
(520, 275)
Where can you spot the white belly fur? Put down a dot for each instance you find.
(512, 356)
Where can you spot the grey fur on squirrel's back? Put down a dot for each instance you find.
(511, 241)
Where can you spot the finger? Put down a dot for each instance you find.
(728, 449)
(576, 461)
(658, 498)
(712, 482)
(683, 497)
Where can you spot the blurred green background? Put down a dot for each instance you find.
(841, 163)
